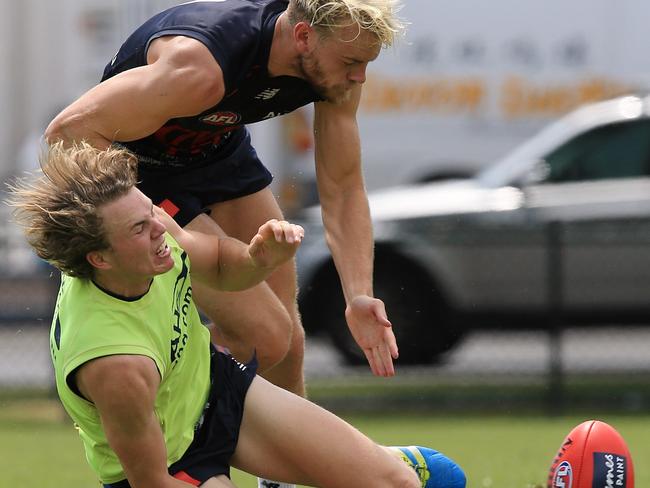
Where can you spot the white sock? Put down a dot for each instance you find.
(262, 483)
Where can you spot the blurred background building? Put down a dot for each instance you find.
(468, 82)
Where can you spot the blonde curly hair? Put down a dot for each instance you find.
(376, 16)
(59, 210)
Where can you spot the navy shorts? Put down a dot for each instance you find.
(185, 192)
(217, 432)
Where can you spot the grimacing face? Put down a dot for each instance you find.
(338, 62)
(138, 250)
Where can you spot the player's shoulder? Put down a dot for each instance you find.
(230, 14)
(233, 30)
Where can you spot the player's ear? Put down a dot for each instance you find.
(97, 259)
(304, 36)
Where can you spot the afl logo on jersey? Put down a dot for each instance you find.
(222, 118)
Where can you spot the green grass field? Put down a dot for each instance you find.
(40, 449)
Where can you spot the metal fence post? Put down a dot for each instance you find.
(555, 297)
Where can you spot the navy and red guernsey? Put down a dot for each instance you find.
(238, 33)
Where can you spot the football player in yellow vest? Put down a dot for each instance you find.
(155, 404)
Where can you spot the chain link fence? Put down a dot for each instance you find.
(554, 369)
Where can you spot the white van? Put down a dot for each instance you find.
(473, 79)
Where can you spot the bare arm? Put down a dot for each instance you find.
(228, 264)
(123, 389)
(348, 228)
(182, 78)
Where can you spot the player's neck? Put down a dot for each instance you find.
(121, 287)
(283, 55)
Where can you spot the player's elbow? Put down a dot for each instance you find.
(55, 131)
(63, 128)
(70, 128)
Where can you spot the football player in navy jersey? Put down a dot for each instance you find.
(179, 93)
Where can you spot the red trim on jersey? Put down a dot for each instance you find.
(169, 207)
(183, 476)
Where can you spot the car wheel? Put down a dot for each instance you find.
(422, 325)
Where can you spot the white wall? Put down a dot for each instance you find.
(11, 116)
(53, 51)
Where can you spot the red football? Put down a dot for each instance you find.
(593, 455)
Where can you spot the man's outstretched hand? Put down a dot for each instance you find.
(373, 332)
(275, 243)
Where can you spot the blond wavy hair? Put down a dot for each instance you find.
(59, 209)
(376, 16)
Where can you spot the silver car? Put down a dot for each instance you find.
(557, 232)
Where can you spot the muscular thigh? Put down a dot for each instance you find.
(218, 482)
(241, 217)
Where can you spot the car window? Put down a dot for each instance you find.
(613, 151)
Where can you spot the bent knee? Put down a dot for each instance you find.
(289, 351)
(274, 346)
